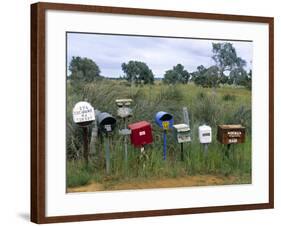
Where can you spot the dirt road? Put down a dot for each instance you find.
(186, 181)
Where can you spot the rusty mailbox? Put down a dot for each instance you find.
(231, 134)
(141, 133)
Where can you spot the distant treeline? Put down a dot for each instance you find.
(228, 68)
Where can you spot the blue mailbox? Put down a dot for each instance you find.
(165, 121)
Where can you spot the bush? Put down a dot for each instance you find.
(77, 174)
(229, 97)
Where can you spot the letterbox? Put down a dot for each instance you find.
(106, 122)
(181, 133)
(83, 113)
(205, 134)
(231, 134)
(164, 120)
(141, 133)
(123, 108)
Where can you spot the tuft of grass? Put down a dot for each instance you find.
(229, 97)
(77, 174)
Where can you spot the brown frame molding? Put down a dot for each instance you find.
(38, 11)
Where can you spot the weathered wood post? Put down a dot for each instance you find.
(84, 115)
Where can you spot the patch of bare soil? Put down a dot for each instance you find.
(187, 181)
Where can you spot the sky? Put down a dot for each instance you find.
(160, 54)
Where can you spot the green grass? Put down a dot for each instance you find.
(223, 105)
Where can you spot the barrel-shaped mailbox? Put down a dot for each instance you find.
(181, 133)
(164, 120)
(106, 122)
(205, 134)
(141, 133)
(83, 113)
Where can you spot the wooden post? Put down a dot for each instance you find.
(107, 154)
(86, 145)
(182, 154)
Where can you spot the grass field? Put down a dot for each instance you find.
(224, 105)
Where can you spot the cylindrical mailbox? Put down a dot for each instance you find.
(205, 134)
(164, 120)
(106, 122)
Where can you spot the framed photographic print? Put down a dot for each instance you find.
(141, 112)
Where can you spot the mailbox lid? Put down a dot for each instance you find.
(231, 134)
(141, 133)
(181, 127)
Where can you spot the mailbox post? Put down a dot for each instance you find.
(84, 115)
(205, 136)
(231, 134)
(124, 112)
(165, 121)
(106, 124)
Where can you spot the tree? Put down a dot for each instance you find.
(198, 76)
(176, 75)
(83, 70)
(212, 77)
(238, 76)
(225, 57)
(138, 72)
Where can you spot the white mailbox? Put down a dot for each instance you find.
(83, 113)
(205, 134)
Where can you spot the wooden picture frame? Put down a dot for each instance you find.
(38, 109)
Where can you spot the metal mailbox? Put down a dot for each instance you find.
(141, 133)
(231, 134)
(106, 122)
(164, 120)
(205, 134)
(181, 133)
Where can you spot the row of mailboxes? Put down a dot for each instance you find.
(141, 132)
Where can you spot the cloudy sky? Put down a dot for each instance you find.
(160, 54)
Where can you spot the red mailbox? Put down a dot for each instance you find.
(141, 133)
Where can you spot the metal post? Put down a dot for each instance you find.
(182, 156)
(125, 144)
(86, 145)
(107, 154)
(164, 145)
(205, 149)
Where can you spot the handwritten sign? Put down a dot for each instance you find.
(83, 112)
(231, 134)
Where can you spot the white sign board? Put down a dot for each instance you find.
(83, 112)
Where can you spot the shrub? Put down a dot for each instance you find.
(229, 97)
